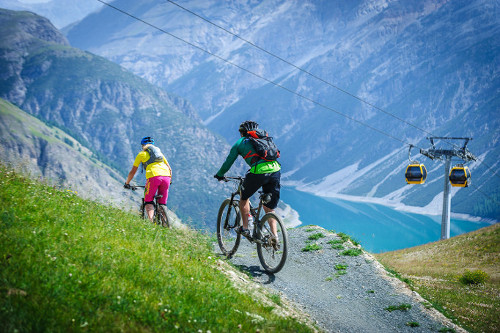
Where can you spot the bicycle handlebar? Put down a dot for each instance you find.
(226, 179)
(135, 187)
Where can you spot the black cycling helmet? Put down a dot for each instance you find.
(147, 140)
(248, 125)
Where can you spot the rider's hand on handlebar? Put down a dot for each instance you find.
(219, 178)
(127, 186)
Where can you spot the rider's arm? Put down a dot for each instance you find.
(233, 155)
(131, 174)
(168, 166)
(137, 161)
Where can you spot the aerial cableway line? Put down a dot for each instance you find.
(256, 75)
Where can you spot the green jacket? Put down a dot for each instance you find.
(244, 148)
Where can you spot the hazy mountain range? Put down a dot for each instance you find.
(61, 13)
(384, 74)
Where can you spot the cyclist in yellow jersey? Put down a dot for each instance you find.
(158, 174)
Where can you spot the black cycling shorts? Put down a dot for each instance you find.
(270, 183)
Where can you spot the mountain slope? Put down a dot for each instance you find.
(108, 110)
(29, 144)
(435, 268)
(432, 66)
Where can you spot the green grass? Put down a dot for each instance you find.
(312, 247)
(400, 307)
(316, 236)
(412, 324)
(340, 267)
(351, 252)
(336, 244)
(67, 264)
(459, 276)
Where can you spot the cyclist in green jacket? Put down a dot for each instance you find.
(262, 173)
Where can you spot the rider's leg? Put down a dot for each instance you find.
(273, 187)
(150, 211)
(152, 184)
(163, 190)
(250, 185)
(272, 222)
(244, 211)
(163, 185)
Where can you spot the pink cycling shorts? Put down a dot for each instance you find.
(158, 184)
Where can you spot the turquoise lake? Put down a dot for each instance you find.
(378, 228)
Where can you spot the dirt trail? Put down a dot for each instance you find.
(351, 300)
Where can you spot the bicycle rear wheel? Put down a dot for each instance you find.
(162, 216)
(142, 210)
(272, 255)
(228, 222)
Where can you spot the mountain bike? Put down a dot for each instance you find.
(160, 216)
(272, 252)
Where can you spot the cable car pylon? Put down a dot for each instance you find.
(446, 155)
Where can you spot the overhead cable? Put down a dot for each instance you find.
(307, 72)
(253, 73)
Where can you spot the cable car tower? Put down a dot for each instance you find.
(446, 155)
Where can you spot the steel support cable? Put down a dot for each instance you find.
(305, 71)
(311, 74)
(255, 74)
(278, 85)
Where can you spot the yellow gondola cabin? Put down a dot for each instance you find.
(416, 173)
(460, 176)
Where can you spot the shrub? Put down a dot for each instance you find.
(474, 277)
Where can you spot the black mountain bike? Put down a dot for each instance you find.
(160, 216)
(272, 251)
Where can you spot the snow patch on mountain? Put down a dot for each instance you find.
(340, 180)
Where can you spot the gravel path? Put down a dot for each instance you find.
(350, 300)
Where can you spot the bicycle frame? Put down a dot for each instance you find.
(157, 208)
(254, 211)
(269, 233)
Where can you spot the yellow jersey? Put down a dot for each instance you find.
(153, 169)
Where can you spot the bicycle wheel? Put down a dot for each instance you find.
(227, 237)
(142, 210)
(272, 256)
(163, 217)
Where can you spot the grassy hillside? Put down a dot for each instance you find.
(437, 272)
(67, 264)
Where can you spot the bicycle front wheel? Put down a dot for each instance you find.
(228, 222)
(272, 249)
